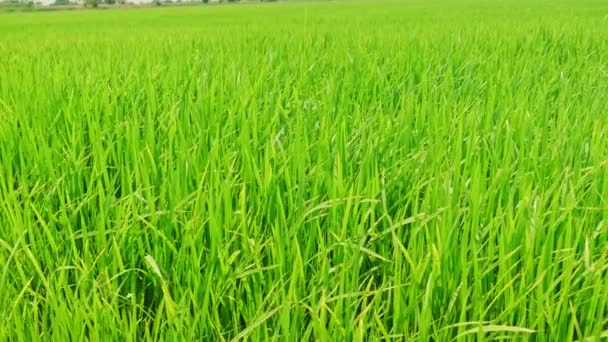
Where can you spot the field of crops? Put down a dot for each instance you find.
(398, 170)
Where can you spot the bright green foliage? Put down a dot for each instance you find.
(417, 170)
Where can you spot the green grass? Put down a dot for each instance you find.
(416, 170)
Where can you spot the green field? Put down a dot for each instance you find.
(331, 171)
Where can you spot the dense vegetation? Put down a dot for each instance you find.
(329, 171)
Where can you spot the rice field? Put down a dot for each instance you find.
(311, 171)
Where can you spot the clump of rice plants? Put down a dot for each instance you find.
(328, 171)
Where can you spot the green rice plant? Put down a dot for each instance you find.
(348, 170)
